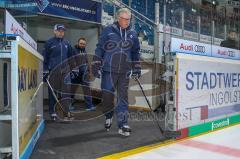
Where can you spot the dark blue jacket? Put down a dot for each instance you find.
(230, 43)
(118, 49)
(56, 50)
(83, 63)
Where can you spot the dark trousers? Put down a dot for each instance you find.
(82, 79)
(51, 101)
(112, 82)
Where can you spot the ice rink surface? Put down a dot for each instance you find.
(222, 144)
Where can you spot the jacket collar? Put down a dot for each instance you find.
(80, 50)
(58, 39)
(116, 27)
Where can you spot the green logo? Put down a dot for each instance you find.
(220, 124)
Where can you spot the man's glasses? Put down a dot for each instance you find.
(127, 19)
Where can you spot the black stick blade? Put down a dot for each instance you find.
(171, 134)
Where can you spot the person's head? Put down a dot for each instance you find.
(59, 30)
(123, 16)
(232, 34)
(81, 43)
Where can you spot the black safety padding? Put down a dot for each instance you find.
(5, 84)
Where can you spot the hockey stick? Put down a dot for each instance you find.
(66, 114)
(166, 133)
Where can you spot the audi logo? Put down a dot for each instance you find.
(199, 48)
(231, 53)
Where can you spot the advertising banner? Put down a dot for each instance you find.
(207, 88)
(217, 41)
(147, 52)
(13, 27)
(170, 30)
(28, 83)
(107, 19)
(196, 48)
(205, 38)
(233, 3)
(190, 47)
(190, 35)
(224, 52)
(85, 9)
(88, 10)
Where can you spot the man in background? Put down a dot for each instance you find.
(231, 41)
(82, 75)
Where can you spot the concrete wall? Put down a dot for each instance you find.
(43, 33)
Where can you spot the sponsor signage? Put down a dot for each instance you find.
(13, 27)
(192, 47)
(29, 80)
(88, 10)
(107, 19)
(207, 88)
(224, 52)
(170, 30)
(190, 35)
(176, 31)
(217, 41)
(220, 124)
(85, 9)
(165, 29)
(198, 129)
(234, 3)
(205, 38)
(42, 4)
(147, 52)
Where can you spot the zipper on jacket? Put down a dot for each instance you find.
(61, 54)
(120, 29)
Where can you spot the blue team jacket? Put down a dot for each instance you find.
(56, 50)
(118, 49)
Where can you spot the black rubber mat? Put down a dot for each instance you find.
(88, 139)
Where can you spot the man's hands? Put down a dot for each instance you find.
(45, 76)
(136, 72)
(96, 68)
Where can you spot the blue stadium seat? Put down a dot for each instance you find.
(108, 8)
(125, 2)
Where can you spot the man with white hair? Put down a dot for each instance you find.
(117, 56)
